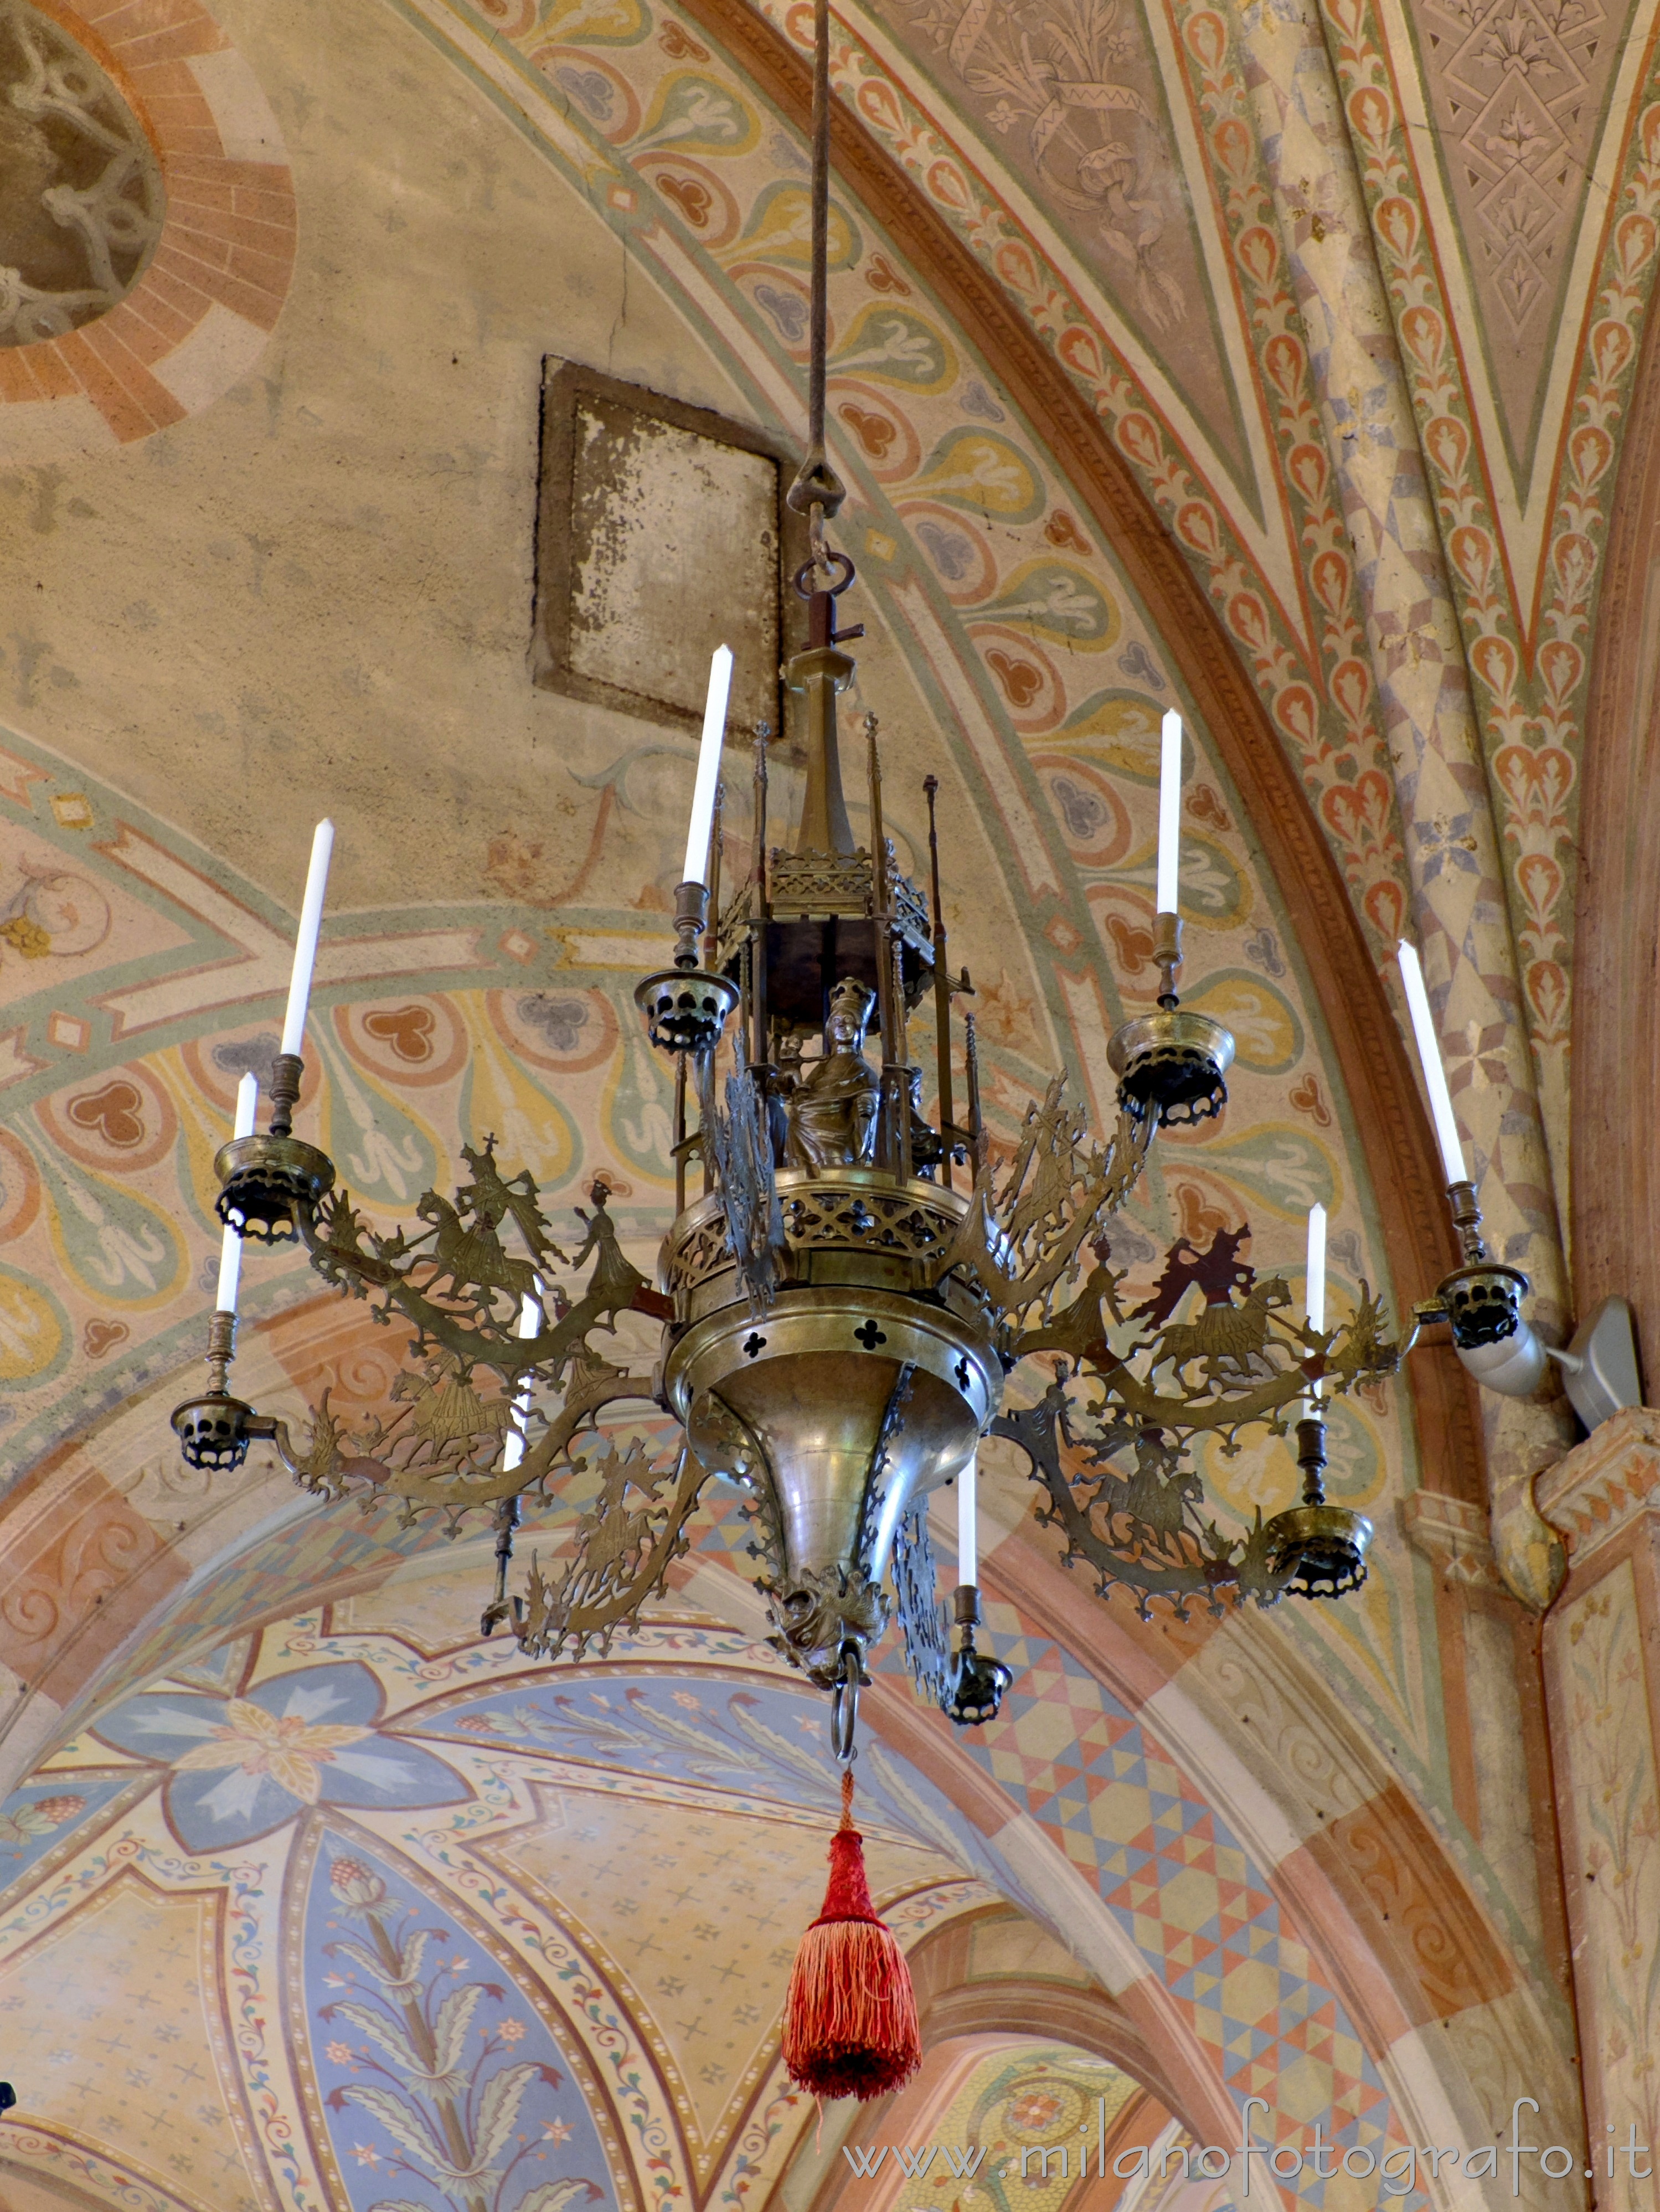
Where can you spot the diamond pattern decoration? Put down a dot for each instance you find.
(1515, 80)
(1184, 1889)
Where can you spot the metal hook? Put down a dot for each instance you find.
(844, 1708)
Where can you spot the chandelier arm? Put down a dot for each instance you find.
(615, 1286)
(621, 1560)
(1186, 1416)
(1119, 1170)
(271, 1429)
(1201, 1575)
(322, 1468)
(422, 1489)
(1077, 1330)
(994, 1244)
(1153, 1542)
(1193, 1413)
(339, 1255)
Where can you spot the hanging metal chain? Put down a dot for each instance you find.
(818, 323)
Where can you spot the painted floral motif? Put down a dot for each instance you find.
(1059, 81)
(39, 1818)
(239, 1767)
(417, 2027)
(430, 2062)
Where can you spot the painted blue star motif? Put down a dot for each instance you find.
(241, 1767)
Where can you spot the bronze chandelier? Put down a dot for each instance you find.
(845, 1296)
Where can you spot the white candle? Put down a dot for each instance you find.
(247, 1105)
(230, 1248)
(230, 1271)
(709, 767)
(305, 943)
(1314, 1294)
(1170, 813)
(530, 1324)
(1429, 1058)
(968, 1525)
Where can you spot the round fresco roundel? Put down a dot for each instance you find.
(146, 223)
(82, 200)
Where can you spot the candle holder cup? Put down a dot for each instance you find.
(215, 1429)
(1170, 1064)
(270, 1182)
(1482, 1298)
(687, 1008)
(1484, 1303)
(977, 1683)
(1320, 1548)
(1323, 1546)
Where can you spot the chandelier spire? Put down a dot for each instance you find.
(823, 671)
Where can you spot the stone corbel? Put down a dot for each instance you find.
(1525, 1439)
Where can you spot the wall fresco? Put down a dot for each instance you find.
(1076, 105)
(150, 279)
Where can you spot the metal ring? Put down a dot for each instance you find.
(844, 1708)
(808, 569)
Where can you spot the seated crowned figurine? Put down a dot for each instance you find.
(832, 1110)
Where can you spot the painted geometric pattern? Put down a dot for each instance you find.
(1523, 89)
(1185, 1892)
(1526, 596)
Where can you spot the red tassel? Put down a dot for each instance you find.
(850, 2027)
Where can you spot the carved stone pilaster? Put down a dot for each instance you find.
(1601, 1662)
(1599, 1489)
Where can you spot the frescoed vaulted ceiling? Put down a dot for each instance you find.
(336, 1915)
(1271, 364)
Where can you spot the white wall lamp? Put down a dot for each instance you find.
(1481, 1300)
